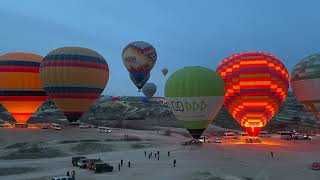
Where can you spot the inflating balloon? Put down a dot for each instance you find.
(305, 83)
(164, 71)
(149, 90)
(195, 95)
(21, 91)
(139, 58)
(138, 81)
(74, 77)
(256, 85)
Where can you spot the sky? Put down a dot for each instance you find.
(184, 32)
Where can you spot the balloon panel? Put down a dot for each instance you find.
(21, 91)
(305, 83)
(195, 95)
(139, 79)
(256, 85)
(74, 78)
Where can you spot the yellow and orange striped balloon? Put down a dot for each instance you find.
(21, 91)
(74, 77)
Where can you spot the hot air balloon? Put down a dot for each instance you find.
(21, 91)
(305, 83)
(195, 95)
(149, 90)
(139, 58)
(74, 77)
(164, 71)
(256, 85)
(138, 82)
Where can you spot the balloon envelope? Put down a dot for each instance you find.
(21, 91)
(74, 77)
(256, 85)
(149, 90)
(139, 58)
(164, 71)
(195, 95)
(305, 83)
(139, 81)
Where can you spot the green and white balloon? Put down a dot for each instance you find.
(195, 95)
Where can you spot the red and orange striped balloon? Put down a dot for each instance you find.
(256, 85)
(21, 91)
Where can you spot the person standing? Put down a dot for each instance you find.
(158, 152)
(73, 175)
(272, 155)
(121, 162)
(68, 173)
(129, 164)
(174, 162)
(145, 153)
(168, 153)
(119, 167)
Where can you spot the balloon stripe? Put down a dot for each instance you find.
(75, 95)
(72, 57)
(19, 69)
(10, 62)
(22, 93)
(74, 63)
(73, 90)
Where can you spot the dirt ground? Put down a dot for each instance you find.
(38, 154)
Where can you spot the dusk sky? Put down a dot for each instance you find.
(184, 32)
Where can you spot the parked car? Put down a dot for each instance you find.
(83, 163)
(104, 130)
(230, 135)
(55, 126)
(315, 166)
(76, 159)
(102, 167)
(62, 178)
(218, 140)
(92, 162)
(84, 126)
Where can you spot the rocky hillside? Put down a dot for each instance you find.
(133, 113)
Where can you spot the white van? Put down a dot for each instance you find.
(55, 126)
(104, 130)
(62, 178)
(229, 135)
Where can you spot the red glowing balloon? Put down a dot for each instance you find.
(256, 85)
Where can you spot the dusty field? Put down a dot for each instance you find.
(40, 154)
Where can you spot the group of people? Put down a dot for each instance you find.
(157, 155)
(73, 174)
(121, 164)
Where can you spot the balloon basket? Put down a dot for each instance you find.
(21, 125)
(251, 140)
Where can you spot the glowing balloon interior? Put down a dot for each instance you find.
(256, 85)
(21, 91)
